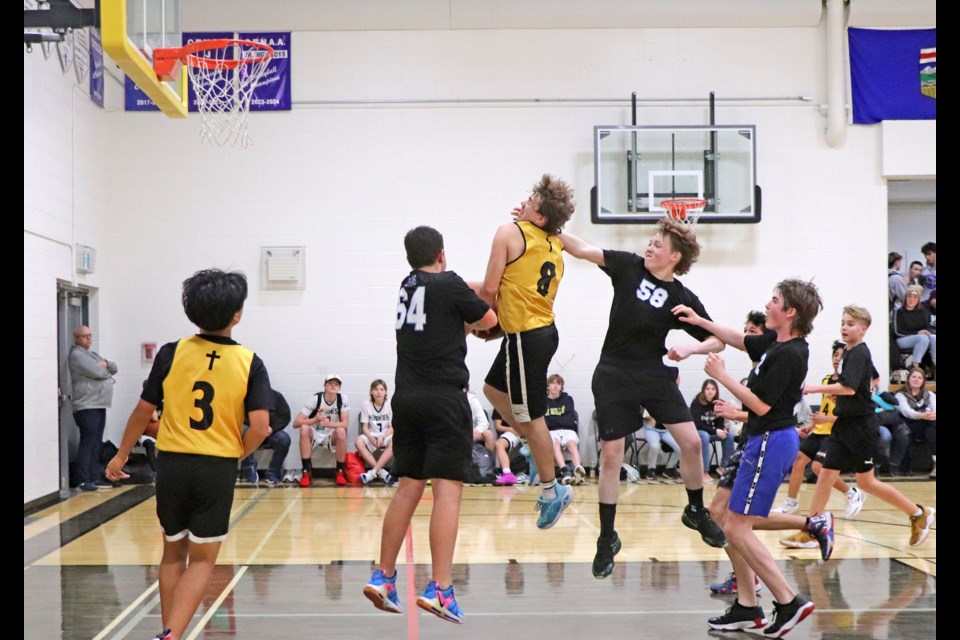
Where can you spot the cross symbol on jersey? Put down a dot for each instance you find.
(213, 356)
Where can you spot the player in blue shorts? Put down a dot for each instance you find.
(772, 391)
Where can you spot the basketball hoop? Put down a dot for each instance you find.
(684, 210)
(224, 74)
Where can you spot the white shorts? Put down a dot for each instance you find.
(323, 438)
(565, 436)
(513, 440)
(372, 447)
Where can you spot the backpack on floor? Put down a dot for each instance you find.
(352, 468)
(480, 466)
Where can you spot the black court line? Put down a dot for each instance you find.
(54, 538)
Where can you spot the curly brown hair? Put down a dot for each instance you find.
(556, 202)
(682, 240)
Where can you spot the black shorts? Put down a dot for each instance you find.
(852, 444)
(195, 495)
(730, 470)
(520, 370)
(813, 446)
(622, 393)
(432, 432)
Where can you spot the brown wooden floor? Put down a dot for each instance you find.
(297, 559)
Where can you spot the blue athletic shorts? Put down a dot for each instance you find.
(767, 459)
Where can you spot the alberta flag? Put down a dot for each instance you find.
(893, 74)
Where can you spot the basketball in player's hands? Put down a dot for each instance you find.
(487, 335)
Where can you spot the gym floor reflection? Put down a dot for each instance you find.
(296, 561)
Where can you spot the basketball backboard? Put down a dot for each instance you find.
(131, 31)
(635, 167)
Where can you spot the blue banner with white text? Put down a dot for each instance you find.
(272, 92)
(893, 74)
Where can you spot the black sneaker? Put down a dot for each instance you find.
(739, 617)
(566, 476)
(787, 616)
(603, 562)
(699, 519)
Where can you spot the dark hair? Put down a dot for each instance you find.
(682, 240)
(916, 262)
(423, 245)
(212, 297)
(556, 202)
(702, 397)
(892, 258)
(837, 344)
(906, 383)
(804, 297)
(556, 377)
(757, 318)
(928, 247)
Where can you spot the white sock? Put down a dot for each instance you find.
(919, 512)
(791, 502)
(851, 493)
(505, 470)
(549, 491)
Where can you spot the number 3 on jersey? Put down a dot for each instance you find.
(412, 310)
(650, 292)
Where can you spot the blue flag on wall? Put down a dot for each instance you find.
(893, 74)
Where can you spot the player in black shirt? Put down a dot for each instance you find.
(772, 391)
(432, 420)
(631, 373)
(853, 441)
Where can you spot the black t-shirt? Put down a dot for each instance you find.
(777, 379)
(640, 316)
(431, 343)
(856, 372)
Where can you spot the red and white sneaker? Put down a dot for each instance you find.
(305, 479)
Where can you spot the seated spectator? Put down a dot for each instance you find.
(657, 436)
(278, 440)
(894, 433)
(561, 420)
(896, 282)
(508, 441)
(929, 272)
(327, 416)
(710, 427)
(918, 406)
(481, 426)
(376, 434)
(915, 274)
(911, 327)
(930, 304)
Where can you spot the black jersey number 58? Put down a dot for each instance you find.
(203, 403)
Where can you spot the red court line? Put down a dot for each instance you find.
(413, 619)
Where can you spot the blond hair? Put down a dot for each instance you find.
(858, 313)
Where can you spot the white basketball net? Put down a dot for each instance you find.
(684, 210)
(223, 93)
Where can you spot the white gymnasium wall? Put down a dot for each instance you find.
(63, 195)
(347, 181)
(912, 225)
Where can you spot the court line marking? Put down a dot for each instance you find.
(258, 496)
(198, 629)
(123, 614)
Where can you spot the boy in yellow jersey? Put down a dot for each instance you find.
(523, 275)
(207, 382)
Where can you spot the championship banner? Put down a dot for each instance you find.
(272, 92)
(893, 74)
(96, 68)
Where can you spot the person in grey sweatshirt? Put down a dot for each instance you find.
(91, 378)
